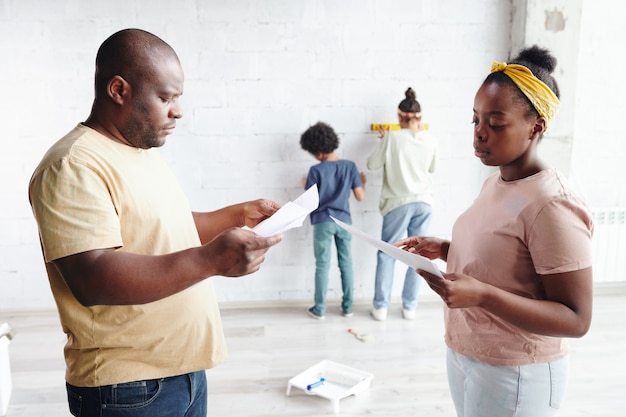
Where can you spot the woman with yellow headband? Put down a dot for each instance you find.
(519, 279)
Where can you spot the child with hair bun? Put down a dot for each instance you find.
(408, 159)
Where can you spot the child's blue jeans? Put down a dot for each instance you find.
(412, 219)
(323, 235)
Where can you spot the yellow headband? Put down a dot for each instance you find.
(542, 98)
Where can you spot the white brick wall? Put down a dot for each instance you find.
(258, 73)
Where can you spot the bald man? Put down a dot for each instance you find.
(126, 258)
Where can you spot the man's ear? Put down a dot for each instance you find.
(118, 89)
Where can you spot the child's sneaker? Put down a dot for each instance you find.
(311, 312)
(408, 314)
(346, 313)
(379, 314)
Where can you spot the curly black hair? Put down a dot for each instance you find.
(319, 138)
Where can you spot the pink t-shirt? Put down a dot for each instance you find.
(513, 233)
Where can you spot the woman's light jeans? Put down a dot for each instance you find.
(482, 390)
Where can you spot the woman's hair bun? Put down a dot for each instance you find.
(539, 57)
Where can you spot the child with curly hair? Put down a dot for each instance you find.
(335, 179)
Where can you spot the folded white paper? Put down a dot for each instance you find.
(411, 259)
(290, 215)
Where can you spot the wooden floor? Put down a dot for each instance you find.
(268, 346)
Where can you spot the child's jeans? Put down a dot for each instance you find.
(323, 234)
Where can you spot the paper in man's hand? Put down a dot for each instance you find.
(290, 215)
(411, 259)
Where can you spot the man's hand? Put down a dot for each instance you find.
(251, 213)
(237, 252)
(254, 212)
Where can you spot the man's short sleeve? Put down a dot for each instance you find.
(74, 210)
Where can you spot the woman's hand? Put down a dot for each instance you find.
(564, 312)
(428, 247)
(456, 290)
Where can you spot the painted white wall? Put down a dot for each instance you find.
(258, 73)
(600, 142)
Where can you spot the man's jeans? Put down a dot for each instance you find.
(177, 396)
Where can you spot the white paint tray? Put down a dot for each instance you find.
(340, 381)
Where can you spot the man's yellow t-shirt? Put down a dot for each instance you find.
(90, 192)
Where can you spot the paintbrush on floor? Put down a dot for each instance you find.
(361, 336)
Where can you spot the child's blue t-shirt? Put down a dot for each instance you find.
(335, 181)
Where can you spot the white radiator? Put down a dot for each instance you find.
(609, 245)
